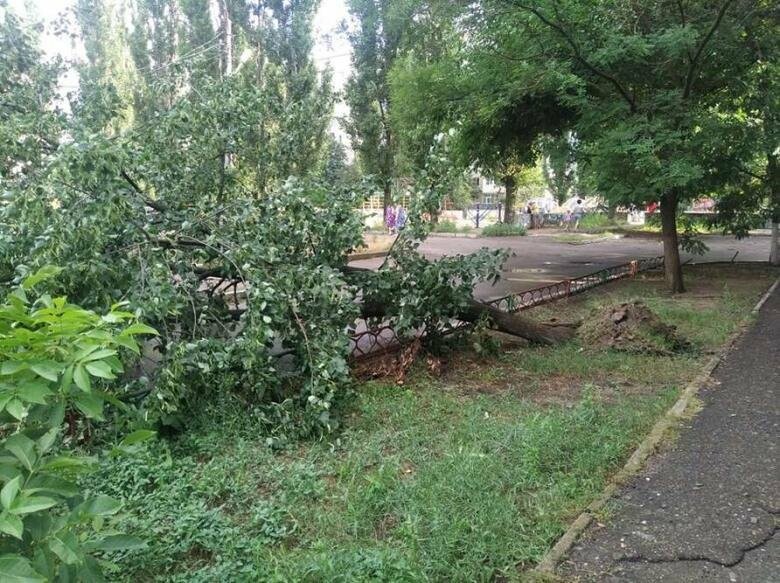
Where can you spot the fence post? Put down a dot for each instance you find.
(634, 267)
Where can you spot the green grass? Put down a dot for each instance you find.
(581, 238)
(503, 230)
(422, 486)
(449, 227)
(432, 481)
(596, 222)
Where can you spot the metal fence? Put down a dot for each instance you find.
(567, 287)
(372, 342)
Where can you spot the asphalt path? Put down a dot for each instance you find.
(708, 510)
(537, 260)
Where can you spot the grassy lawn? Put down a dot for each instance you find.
(470, 476)
(583, 238)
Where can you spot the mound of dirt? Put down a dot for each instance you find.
(631, 327)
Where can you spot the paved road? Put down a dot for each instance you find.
(540, 259)
(709, 509)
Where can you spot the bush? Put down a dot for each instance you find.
(448, 227)
(595, 221)
(503, 230)
(55, 361)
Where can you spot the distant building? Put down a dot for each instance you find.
(485, 190)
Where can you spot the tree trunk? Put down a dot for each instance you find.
(612, 211)
(226, 30)
(517, 325)
(509, 211)
(672, 265)
(387, 200)
(773, 174)
(509, 323)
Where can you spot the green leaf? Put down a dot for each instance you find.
(100, 354)
(48, 369)
(23, 448)
(44, 273)
(8, 471)
(117, 542)
(65, 462)
(4, 398)
(138, 436)
(17, 569)
(128, 343)
(67, 378)
(34, 392)
(138, 328)
(47, 440)
(48, 484)
(10, 367)
(19, 295)
(16, 408)
(99, 506)
(9, 492)
(82, 378)
(26, 505)
(66, 547)
(89, 404)
(11, 525)
(100, 369)
(56, 414)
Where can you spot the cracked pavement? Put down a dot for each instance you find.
(708, 509)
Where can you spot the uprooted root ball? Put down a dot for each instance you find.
(631, 327)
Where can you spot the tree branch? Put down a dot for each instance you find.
(695, 61)
(159, 207)
(578, 55)
(684, 22)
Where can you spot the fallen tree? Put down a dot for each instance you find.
(512, 323)
(230, 273)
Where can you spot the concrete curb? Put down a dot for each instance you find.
(455, 235)
(645, 449)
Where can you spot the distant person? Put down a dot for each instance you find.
(534, 215)
(400, 217)
(390, 219)
(567, 217)
(579, 210)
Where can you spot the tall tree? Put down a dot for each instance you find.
(753, 107)
(30, 121)
(499, 104)
(559, 165)
(376, 41)
(641, 77)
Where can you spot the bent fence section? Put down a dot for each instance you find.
(370, 342)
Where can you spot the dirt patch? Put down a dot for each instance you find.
(631, 327)
(471, 375)
(385, 526)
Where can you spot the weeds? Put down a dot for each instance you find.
(427, 482)
(449, 227)
(503, 230)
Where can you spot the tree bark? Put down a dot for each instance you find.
(226, 30)
(672, 265)
(517, 325)
(773, 175)
(509, 201)
(509, 323)
(387, 200)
